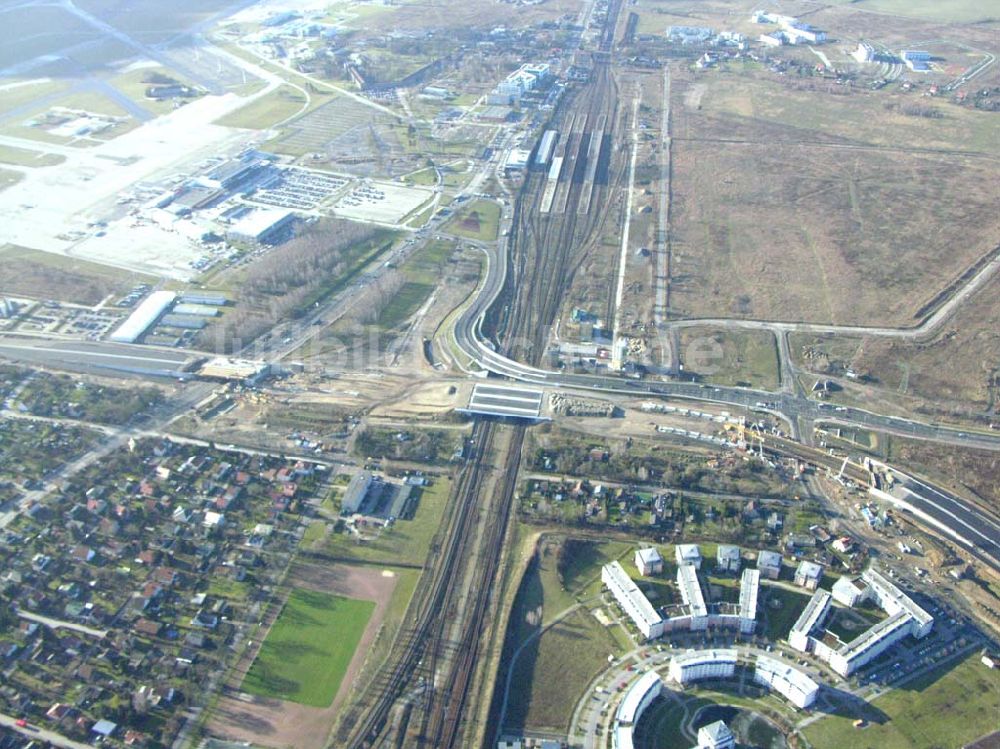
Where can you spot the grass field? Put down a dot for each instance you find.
(554, 668)
(480, 220)
(552, 672)
(952, 11)
(268, 110)
(9, 177)
(308, 649)
(48, 276)
(424, 177)
(748, 358)
(133, 84)
(408, 541)
(786, 217)
(25, 157)
(781, 618)
(945, 709)
(423, 272)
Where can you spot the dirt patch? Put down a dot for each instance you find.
(279, 723)
(471, 222)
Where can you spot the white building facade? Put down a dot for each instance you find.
(632, 600)
(697, 665)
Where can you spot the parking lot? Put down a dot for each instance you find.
(301, 189)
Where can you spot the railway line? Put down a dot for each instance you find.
(421, 696)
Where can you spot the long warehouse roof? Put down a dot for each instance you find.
(143, 317)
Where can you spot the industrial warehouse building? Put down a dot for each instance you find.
(789, 682)
(632, 600)
(143, 318)
(697, 665)
(639, 696)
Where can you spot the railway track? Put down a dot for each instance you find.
(430, 675)
(423, 624)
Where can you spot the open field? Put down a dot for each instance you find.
(555, 665)
(952, 374)
(408, 541)
(9, 177)
(307, 651)
(947, 708)
(267, 111)
(822, 168)
(953, 11)
(40, 30)
(272, 722)
(24, 157)
(480, 220)
(41, 275)
(742, 358)
(485, 14)
(15, 94)
(422, 273)
(553, 671)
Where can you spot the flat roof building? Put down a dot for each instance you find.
(891, 599)
(849, 592)
(690, 588)
(871, 643)
(696, 665)
(808, 575)
(769, 564)
(789, 682)
(809, 621)
(749, 589)
(688, 554)
(727, 558)
(632, 600)
(239, 370)
(262, 226)
(357, 490)
(648, 561)
(545, 148)
(143, 318)
(640, 693)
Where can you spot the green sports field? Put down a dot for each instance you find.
(308, 649)
(946, 708)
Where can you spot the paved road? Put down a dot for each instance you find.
(48, 621)
(36, 732)
(792, 405)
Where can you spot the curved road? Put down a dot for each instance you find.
(951, 513)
